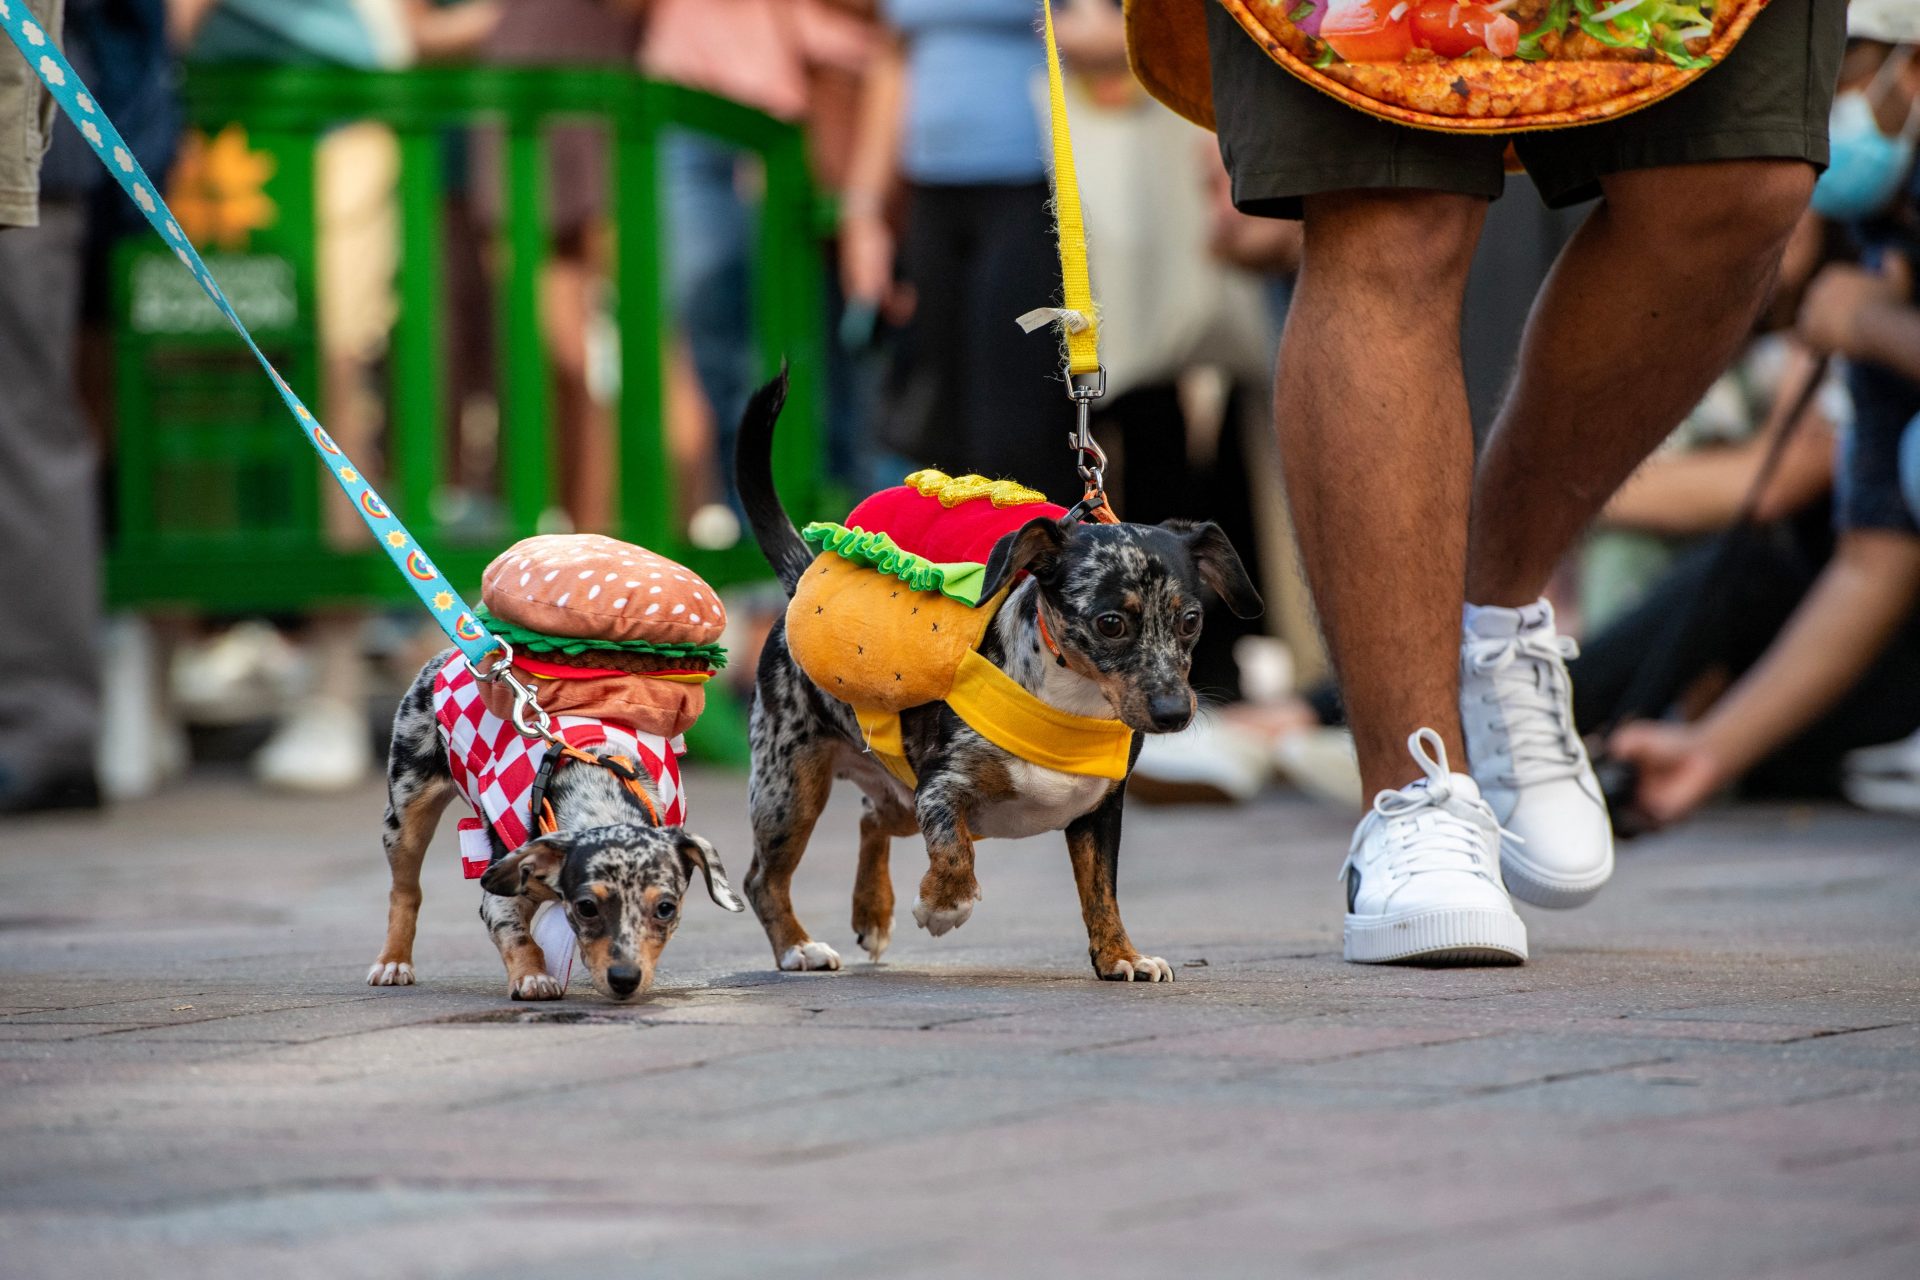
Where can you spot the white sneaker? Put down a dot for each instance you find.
(1516, 707)
(323, 746)
(1885, 778)
(1423, 874)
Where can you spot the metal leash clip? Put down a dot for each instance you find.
(529, 717)
(1084, 389)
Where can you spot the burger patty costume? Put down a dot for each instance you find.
(888, 616)
(618, 644)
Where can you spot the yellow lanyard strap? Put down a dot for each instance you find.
(1080, 319)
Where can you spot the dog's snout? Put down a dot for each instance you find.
(623, 979)
(1169, 711)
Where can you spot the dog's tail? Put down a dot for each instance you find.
(779, 541)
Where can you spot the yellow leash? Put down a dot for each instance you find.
(1078, 317)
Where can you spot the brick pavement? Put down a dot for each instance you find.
(1712, 1071)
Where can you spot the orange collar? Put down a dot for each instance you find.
(1046, 637)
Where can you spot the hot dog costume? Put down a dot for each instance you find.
(888, 616)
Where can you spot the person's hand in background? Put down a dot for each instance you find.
(866, 249)
(1679, 770)
(1864, 314)
(452, 31)
(1270, 246)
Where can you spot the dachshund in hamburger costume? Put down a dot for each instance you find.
(581, 837)
(980, 664)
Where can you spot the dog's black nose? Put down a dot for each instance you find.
(1169, 711)
(623, 979)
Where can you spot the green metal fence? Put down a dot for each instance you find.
(217, 496)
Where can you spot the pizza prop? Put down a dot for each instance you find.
(1507, 66)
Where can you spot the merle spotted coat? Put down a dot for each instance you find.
(620, 879)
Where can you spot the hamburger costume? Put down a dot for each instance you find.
(618, 643)
(889, 616)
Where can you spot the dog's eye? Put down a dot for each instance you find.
(586, 908)
(1190, 624)
(666, 909)
(1111, 625)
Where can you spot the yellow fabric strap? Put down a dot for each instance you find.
(881, 729)
(1083, 341)
(995, 706)
(1009, 717)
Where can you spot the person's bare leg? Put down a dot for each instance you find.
(1646, 306)
(1377, 448)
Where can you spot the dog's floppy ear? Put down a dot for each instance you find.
(1219, 566)
(697, 852)
(1034, 546)
(539, 858)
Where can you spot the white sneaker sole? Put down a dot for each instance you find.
(1883, 794)
(1540, 888)
(1444, 935)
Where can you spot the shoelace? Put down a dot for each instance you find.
(1432, 837)
(1540, 736)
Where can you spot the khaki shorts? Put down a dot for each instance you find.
(358, 249)
(1282, 139)
(26, 125)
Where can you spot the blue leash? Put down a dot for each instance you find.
(490, 657)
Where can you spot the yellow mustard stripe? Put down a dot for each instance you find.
(881, 730)
(954, 490)
(1009, 717)
(1083, 347)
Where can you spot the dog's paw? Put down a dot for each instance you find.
(809, 956)
(391, 973)
(939, 920)
(874, 939)
(1136, 969)
(535, 986)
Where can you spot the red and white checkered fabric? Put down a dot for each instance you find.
(494, 766)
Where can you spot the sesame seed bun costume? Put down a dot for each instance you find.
(889, 616)
(1507, 66)
(617, 642)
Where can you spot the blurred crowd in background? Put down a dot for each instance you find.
(1747, 605)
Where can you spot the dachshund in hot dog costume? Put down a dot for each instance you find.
(980, 665)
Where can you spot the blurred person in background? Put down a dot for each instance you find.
(1694, 484)
(951, 140)
(1851, 645)
(49, 509)
(323, 743)
(54, 286)
(574, 282)
(763, 54)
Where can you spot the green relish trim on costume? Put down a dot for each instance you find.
(960, 580)
(539, 642)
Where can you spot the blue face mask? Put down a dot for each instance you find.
(1866, 167)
